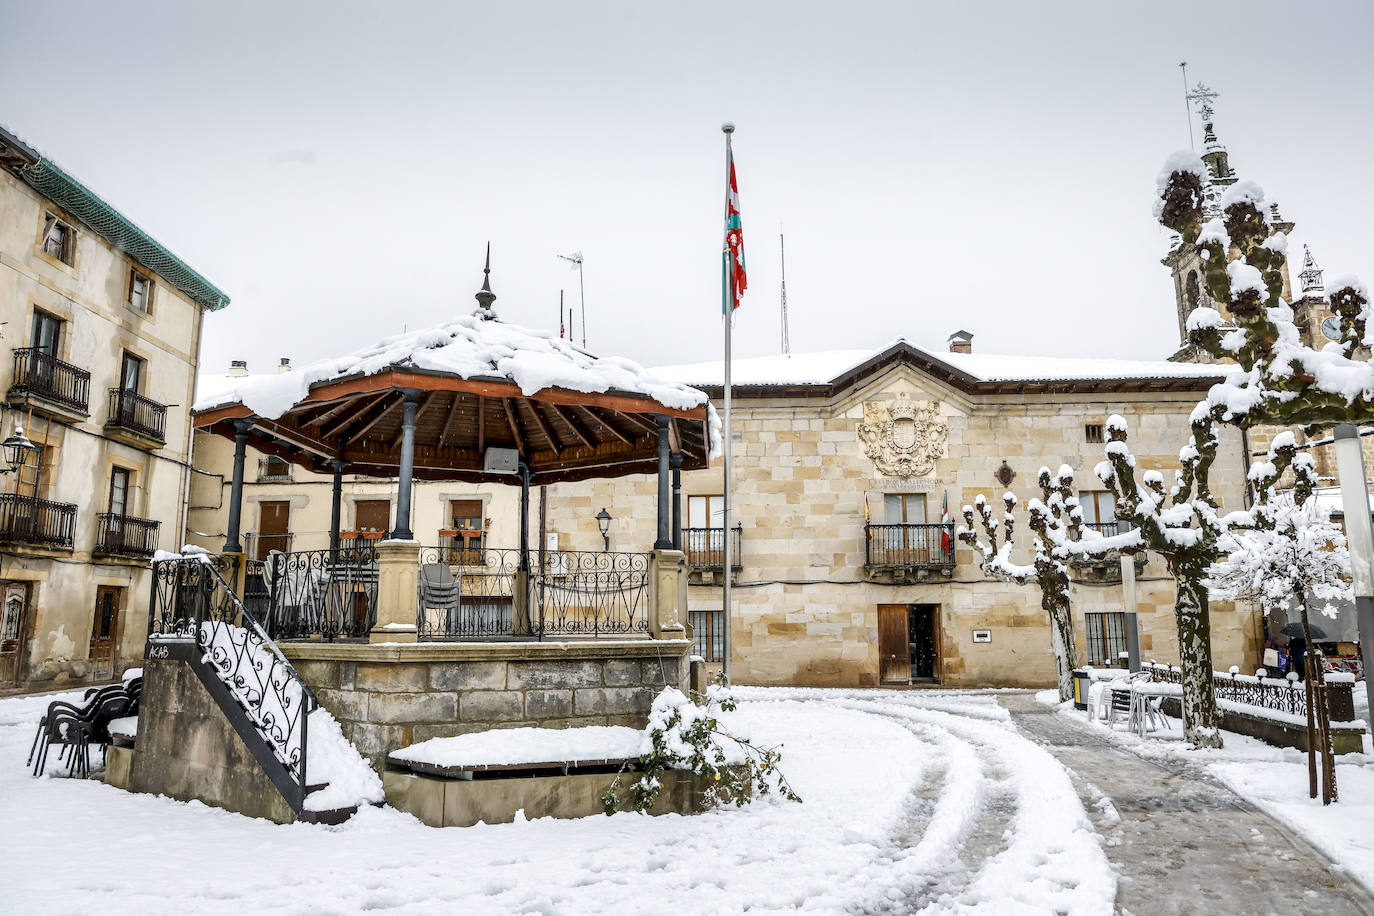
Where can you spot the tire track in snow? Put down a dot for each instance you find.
(1006, 832)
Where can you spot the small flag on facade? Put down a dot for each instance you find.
(944, 521)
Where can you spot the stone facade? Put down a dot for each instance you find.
(388, 697)
(82, 284)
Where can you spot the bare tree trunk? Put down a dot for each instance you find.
(1316, 697)
(1201, 721)
(1065, 653)
(1308, 689)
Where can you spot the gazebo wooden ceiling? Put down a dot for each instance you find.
(561, 434)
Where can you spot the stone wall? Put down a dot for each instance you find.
(188, 750)
(389, 696)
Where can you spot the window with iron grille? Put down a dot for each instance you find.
(1093, 432)
(1106, 637)
(708, 633)
(59, 239)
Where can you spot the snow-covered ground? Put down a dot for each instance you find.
(913, 802)
(1275, 781)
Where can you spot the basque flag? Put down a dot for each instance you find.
(734, 245)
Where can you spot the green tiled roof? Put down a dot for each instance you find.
(72, 196)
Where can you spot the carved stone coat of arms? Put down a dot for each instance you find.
(903, 438)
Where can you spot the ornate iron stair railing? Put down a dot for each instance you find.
(194, 615)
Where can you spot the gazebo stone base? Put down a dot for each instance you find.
(389, 696)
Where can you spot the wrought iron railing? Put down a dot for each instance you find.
(38, 372)
(908, 546)
(40, 522)
(136, 413)
(124, 535)
(573, 593)
(1279, 694)
(706, 547)
(191, 601)
(1106, 529)
(467, 593)
(592, 593)
(305, 593)
(459, 549)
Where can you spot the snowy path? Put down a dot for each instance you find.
(913, 802)
(1182, 842)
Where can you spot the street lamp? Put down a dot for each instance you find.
(16, 449)
(603, 521)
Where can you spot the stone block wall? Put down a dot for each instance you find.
(388, 697)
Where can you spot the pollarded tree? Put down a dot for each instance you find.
(1303, 557)
(1283, 382)
(1184, 526)
(1056, 519)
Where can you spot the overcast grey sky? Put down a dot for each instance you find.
(338, 168)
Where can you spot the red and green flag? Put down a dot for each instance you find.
(732, 253)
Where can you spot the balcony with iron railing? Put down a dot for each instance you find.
(274, 470)
(125, 536)
(904, 551)
(43, 380)
(1105, 567)
(136, 415)
(35, 522)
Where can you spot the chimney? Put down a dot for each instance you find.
(961, 342)
(238, 368)
(285, 365)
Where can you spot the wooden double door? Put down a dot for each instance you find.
(908, 643)
(14, 628)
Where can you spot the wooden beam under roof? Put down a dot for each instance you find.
(514, 426)
(368, 421)
(605, 421)
(554, 442)
(481, 422)
(331, 412)
(452, 416)
(576, 425)
(429, 399)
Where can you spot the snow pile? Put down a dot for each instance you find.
(470, 348)
(333, 760)
(516, 746)
(674, 715)
(124, 727)
(1180, 161)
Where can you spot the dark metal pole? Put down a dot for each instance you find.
(665, 534)
(675, 461)
(231, 538)
(336, 498)
(524, 516)
(401, 531)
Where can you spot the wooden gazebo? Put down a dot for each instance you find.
(449, 403)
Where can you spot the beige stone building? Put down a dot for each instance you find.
(103, 325)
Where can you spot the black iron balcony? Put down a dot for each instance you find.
(706, 547)
(908, 547)
(39, 374)
(125, 536)
(1106, 529)
(273, 470)
(141, 416)
(36, 522)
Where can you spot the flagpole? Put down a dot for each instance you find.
(729, 304)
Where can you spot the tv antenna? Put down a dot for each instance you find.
(782, 254)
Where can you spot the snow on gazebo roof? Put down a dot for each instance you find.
(471, 347)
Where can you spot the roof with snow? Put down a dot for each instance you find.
(476, 382)
(971, 372)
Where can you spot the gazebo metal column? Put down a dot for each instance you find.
(231, 537)
(665, 534)
(523, 622)
(675, 460)
(401, 531)
(335, 501)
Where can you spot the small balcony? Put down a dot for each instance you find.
(125, 536)
(46, 383)
(274, 470)
(904, 553)
(137, 417)
(705, 549)
(34, 522)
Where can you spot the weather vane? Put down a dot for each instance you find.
(1203, 95)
